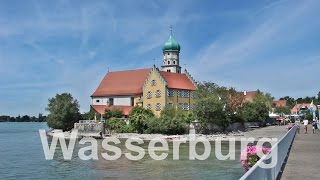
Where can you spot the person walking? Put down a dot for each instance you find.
(305, 123)
(314, 126)
(297, 123)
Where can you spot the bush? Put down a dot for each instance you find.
(118, 125)
(116, 113)
(171, 121)
(138, 118)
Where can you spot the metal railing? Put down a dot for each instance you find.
(282, 147)
(91, 121)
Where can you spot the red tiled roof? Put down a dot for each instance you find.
(177, 81)
(248, 96)
(280, 103)
(101, 109)
(122, 83)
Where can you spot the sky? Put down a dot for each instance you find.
(49, 47)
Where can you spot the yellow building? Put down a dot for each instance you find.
(151, 88)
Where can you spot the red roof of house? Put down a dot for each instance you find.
(101, 108)
(280, 103)
(122, 83)
(177, 81)
(249, 95)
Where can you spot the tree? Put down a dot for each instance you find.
(282, 110)
(118, 125)
(210, 110)
(254, 111)
(290, 101)
(25, 118)
(109, 113)
(138, 117)
(173, 120)
(63, 111)
(234, 101)
(264, 98)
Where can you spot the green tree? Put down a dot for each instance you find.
(109, 113)
(118, 125)
(173, 120)
(254, 111)
(210, 110)
(138, 117)
(282, 110)
(63, 111)
(89, 115)
(264, 98)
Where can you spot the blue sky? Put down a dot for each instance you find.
(49, 47)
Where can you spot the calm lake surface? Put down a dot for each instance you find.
(22, 157)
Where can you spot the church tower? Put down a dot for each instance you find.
(171, 50)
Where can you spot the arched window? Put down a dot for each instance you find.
(168, 62)
(153, 82)
(174, 62)
(168, 70)
(158, 107)
(158, 93)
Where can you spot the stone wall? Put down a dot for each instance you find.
(89, 127)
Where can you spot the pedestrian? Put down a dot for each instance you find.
(314, 126)
(305, 123)
(297, 123)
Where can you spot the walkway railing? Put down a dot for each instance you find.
(283, 147)
(91, 121)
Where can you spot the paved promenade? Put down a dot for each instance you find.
(304, 159)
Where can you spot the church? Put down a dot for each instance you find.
(151, 88)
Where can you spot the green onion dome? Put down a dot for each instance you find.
(171, 45)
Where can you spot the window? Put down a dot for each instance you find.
(168, 53)
(149, 106)
(168, 62)
(97, 100)
(183, 93)
(186, 94)
(170, 92)
(174, 62)
(132, 101)
(158, 107)
(153, 82)
(184, 106)
(110, 101)
(168, 70)
(158, 93)
(149, 94)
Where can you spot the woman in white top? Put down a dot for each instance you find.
(305, 123)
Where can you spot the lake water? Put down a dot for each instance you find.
(22, 157)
